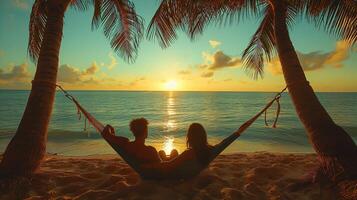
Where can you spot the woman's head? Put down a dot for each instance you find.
(197, 141)
(196, 136)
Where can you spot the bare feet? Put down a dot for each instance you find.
(164, 157)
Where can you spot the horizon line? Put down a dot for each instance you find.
(121, 90)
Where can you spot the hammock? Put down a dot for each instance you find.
(165, 170)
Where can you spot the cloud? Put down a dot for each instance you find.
(22, 4)
(313, 61)
(219, 60)
(184, 72)
(208, 74)
(316, 60)
(18, 73)
(70, 77)
(92, 69)
(113, 62)
(340, 54)
(70, 74)
(214, 43)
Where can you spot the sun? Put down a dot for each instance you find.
(171, 85)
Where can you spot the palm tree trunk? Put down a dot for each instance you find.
(336, 149)
(27, 148)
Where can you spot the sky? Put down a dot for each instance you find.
(212, 62)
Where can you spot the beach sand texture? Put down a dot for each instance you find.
(259, 175)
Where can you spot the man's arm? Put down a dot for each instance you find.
(109, 134)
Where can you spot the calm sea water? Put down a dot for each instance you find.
(170, 114)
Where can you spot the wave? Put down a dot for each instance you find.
(296, 136)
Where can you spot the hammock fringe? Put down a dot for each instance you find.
(277, 98)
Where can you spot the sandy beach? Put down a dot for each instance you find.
(259, 175)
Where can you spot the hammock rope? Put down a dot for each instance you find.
(80, 110)
(277, 100)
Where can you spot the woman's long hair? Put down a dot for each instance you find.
(197, 140)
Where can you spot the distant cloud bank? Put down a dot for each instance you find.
(317, 60)
(15, 73)
(15, 76)
(69, 74)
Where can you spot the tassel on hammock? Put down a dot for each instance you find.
(277, 113)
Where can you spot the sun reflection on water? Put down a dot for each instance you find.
(171, 112)
(168, 145)
(170, 124)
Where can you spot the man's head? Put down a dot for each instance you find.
(139, 127)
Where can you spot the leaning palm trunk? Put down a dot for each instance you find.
(123, 27)
(336, 150)
(28, 147)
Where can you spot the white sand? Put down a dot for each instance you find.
(237, 176)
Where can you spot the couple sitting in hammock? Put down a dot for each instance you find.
(153, 165)
(146, 161)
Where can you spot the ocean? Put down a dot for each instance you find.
(170, 114)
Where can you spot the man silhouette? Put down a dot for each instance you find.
(137, 148)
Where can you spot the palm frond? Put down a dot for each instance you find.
(121, 25)
(38, 20)
(97, 13)
(295, 8)
(167, 18)
(79, 4)
(337, 17)
(236, 10)
(261, 46)
(194, 16)
(221, 13)
(199, 16)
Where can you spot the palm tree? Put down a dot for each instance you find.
(336, 150)
(121, 25)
